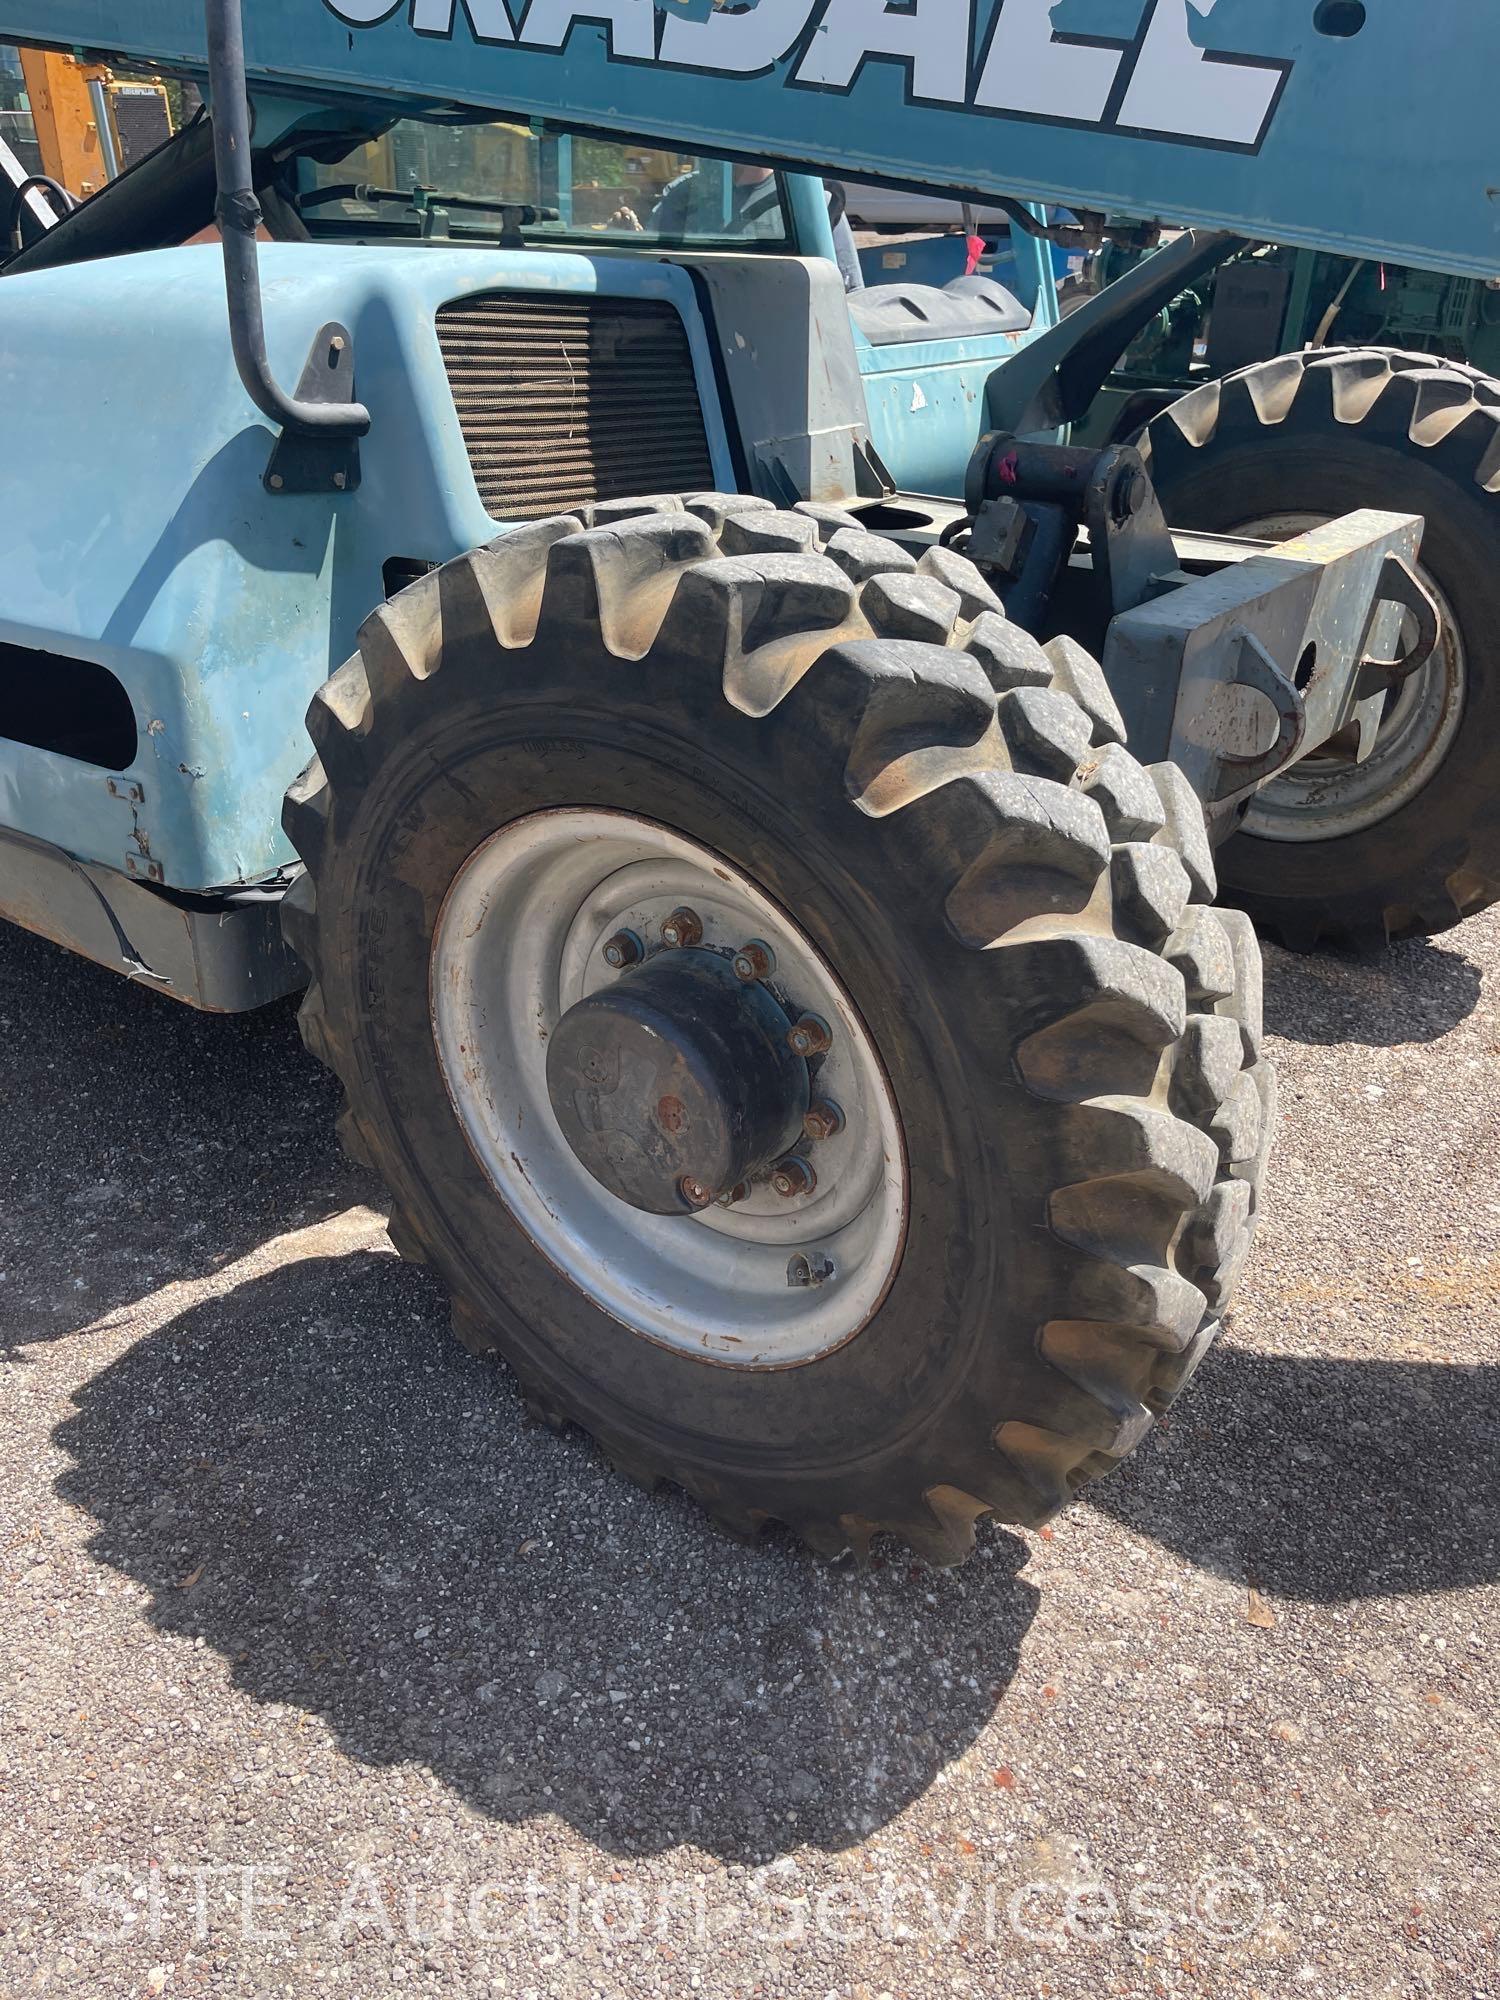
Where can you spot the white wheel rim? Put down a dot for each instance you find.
(766, 1283)
(1324, 797)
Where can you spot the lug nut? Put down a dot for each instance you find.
(793, 1176)
(696, 1193)
(809, 1037)
(822, 1120)
(623, 949)
(682, 928)
(753, 961)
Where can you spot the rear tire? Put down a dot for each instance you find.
(945, 811)
(1408, 844)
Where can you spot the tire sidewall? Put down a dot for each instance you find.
(751, 791)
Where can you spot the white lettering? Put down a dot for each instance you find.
(604, 1912)
(832, 1922)
(1027, 70)
(1178, 87)
(249, 1928)
(890, 1895)
(1163, 84)
(199, 1875)
(629, 24)
(488, 20)
(1153, 1921)
(1092, 1910)
(931, 37)
(486, 1892)
(794, 1907)
(1030, 1925)
(734, 44)
(947, 1926)
(444, 1929)
(366, 1883)
(92, 1892)
(668, 1911)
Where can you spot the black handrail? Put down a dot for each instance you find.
(238, 214)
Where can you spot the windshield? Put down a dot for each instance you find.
(515, 182)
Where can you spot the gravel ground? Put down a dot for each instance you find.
(324, 1670)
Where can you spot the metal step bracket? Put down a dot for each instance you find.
(1236, 675)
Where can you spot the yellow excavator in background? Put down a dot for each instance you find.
(75, 123)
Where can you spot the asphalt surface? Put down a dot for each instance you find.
(323, 1670)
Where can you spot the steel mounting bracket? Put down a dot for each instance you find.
(319, 461)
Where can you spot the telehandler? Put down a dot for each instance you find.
(1330, 383)
(759, 909)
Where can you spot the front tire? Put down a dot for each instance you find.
(1407, 843)
(1010, 913)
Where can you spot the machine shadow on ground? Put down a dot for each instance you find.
(1414, 992)
(309, 1474)
(357, 1492)
(1324, 1480)
(146, 1142)
(376, 1533)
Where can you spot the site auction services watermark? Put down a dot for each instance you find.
(776, 1904)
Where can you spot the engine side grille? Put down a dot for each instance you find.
(566, 399)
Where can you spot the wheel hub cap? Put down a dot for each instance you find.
(676, 1078)
(630, 1030)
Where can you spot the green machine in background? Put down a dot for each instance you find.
(1269, 300)
(1277, 390)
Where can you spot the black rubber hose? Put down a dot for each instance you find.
(33, 183)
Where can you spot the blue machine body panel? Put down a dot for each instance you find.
(1367, 130)
(926, 405)
(138, 533)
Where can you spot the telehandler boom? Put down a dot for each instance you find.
(754, 875)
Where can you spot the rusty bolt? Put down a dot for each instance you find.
(696, 1193)
(682, 928)
(792, 1176)
(754, 960)
(809, 1037)
(623, 949)
(822, 1120)
(739, 1192)
(1126, 494)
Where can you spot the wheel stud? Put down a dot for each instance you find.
(822, 1120)
(756, 960)
(792, 1176)
(696, 1193)
(682, 929)
(623, 949)
(810, 1036)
